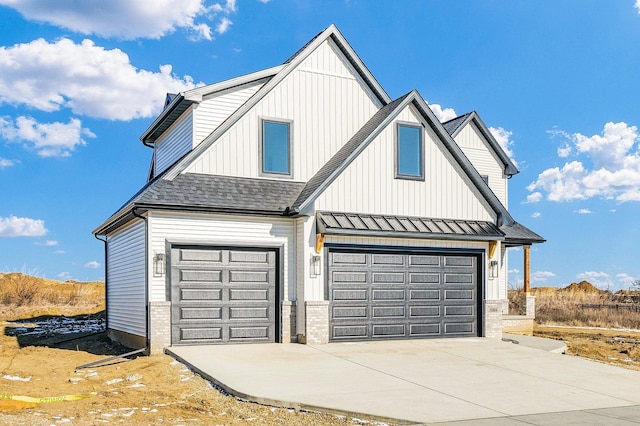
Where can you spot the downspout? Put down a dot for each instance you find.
(106, 281)
(146, 276)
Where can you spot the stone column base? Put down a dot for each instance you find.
(528, 306)
(159, 327)
(492, 319)
(317, 322)
(289, 322)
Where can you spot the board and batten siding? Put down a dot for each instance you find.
(326, 105)
(217, 107)
(176, 141)
(368, 184)
(220, 230)
(126, 309)
(486, 162)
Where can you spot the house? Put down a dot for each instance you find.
(302, 203)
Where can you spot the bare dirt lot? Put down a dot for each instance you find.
(142, 391)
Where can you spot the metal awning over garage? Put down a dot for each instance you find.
(331, 223)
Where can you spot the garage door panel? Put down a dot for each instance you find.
(349, 312)
(199, 255)
(387, 294)
(401, 295)
(387, 259)
(197, 294)
(426, 294)
(388, 277)
(232, 302)
(349, 294)
(425, 311)
(388, 330)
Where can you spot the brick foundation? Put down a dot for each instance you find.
(317, 322)
(159, 327)
(492, 319)
(289, 322)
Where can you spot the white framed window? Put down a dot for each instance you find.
(275, 147)
(409, 151)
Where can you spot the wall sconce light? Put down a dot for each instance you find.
(158, 264)
(493, 269)
(315, 265)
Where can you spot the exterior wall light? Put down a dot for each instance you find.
(158, 264)
(493, 269)
(315, 265)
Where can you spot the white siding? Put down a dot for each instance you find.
(221, 230)
(481, 155)
(126, 279)
(368, 184)
(216, 108)
(324, 100)
(174, 142)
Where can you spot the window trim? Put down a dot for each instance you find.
(398, 175)
(264, 172)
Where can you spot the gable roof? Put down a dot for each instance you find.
(455, 126)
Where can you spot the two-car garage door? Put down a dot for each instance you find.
(400, 295)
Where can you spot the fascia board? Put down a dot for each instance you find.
(510, 168)
(199, 93)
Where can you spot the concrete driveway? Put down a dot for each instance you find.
(424, 381)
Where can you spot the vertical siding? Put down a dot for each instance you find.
(368, 184)
(324, 100)
(176, 141)
(216, 108)
(126, 279)
(479, 152)
(221, 230)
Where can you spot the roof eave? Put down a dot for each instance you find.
(412, 235)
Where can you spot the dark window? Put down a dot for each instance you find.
(409, 152)
(276, 147)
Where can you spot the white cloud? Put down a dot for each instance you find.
(565, 151)
(64, 276)
(602, 280)
(608, 166)
(59, 252)
(48, 139)
(93, 264)
(503, 137)
(612, 210)
(443, 114)
(85, 78)
(514, 271)
(267, 1)
(583, 211)
(12, 226)
(125, 19)
(625, 279)
(48, 243)
(542, 276)
(223, 26)
(536, 215)
(534, 197)
(4, 163)
(637, 6)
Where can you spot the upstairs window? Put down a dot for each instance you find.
(409, 152)
(276, 147)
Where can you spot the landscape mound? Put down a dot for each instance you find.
(582, 287)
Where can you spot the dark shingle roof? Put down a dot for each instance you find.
(339, 159)
(405, 227)
(226, 193)
(452, 125)
(517, 235)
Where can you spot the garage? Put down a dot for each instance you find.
(377, 294)
(223, 295)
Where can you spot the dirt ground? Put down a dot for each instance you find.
(145, 390)
(611, 346)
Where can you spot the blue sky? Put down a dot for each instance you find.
(557, 83)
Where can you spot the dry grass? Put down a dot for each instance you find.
(22, 290)
(569, 307)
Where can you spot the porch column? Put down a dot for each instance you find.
(527, 269)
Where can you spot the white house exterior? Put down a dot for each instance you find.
(302, 204)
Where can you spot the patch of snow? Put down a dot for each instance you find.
(17, 378)
(137, 385)
(113, 381)
(134, 377)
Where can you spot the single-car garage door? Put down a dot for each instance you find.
(394, 295)
(223, 295)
